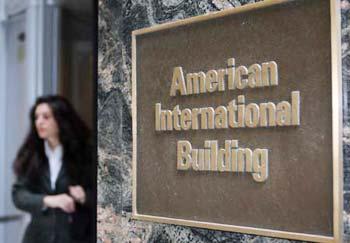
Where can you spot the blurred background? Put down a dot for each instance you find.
(46, 47)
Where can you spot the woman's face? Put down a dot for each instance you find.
(45, 123)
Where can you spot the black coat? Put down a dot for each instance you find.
(52, 225)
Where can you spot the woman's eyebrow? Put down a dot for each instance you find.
(42, 113)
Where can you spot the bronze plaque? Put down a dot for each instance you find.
(236, 121)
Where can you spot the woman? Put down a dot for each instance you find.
(54, 180)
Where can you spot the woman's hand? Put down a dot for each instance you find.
(78, 193)
(62, 201)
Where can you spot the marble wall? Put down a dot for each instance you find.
(117, 18)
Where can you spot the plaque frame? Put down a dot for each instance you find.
(336, 130)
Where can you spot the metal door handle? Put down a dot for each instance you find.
(8, 218)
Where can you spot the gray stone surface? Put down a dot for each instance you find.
(117, 19)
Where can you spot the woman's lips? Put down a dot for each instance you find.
(41, 130)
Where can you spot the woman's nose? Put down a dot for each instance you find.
(39, 120)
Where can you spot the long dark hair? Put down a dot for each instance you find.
(74, 136)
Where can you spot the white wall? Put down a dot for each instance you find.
(15, 122)
(13, 7)
(2, 121)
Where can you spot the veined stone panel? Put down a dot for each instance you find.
(116, 21)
